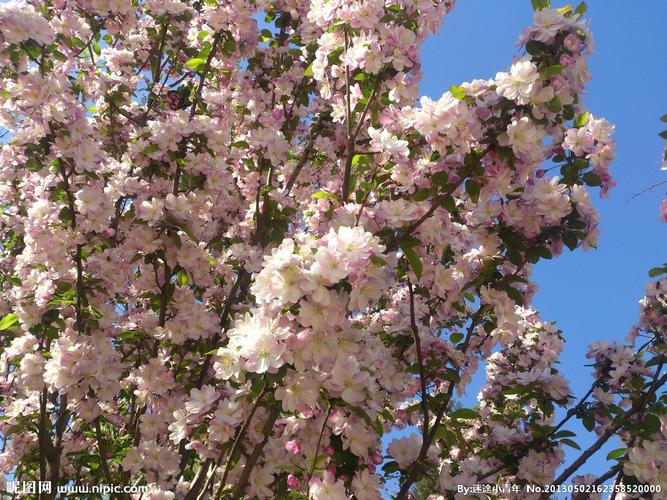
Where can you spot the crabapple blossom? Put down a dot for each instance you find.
(519, 83)
(239, 252)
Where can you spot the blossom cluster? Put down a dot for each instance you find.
(237, 252)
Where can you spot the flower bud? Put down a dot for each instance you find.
(293, 446)
(293, 482)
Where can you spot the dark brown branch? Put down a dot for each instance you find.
(611, 430)
(237, 441)
(420, 361)
(352, 136)
(427, 439)
(317, 448)
(267, 431)
(102, 450)
(196, 99)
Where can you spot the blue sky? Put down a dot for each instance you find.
(591, 295)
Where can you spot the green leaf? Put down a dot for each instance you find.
(580, 163)
(33, 49)
(514, 294)
(592, 179)
(413, 259)
(65, 215)
(186, 229)
(651, 424)
(543, 252)
(359, 157)
(473, 189)
(564, 434)
(534, 47)
(440, 179)
(457, 91)
(449, 204)
(589, 422)
(554, 105)
(182, 278)
(409, 242)
(309, 71)
(568, 112)
(582, 119)
(229, 46)
(151, 148)
(655, 361)
(378, 261)
(540, 4)
(663, 134)
(581, 9)
(465, 414)
(663, 118)
(456, 337)
(616, 454)
(570, 443)
(195, 63)
(657, 271)
(472, 161)
(32, 165)
(421, 194)
(570, 240)
(323, 194)
(8, 321)
(391, 467)
(552, 70)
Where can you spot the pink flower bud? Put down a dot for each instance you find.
(539, 173)
(567, 60)
(557, 84)
(293, 446)
(376, 458)
(329, 451)
(293, 482)
(331, 470)
(371, 468)
(343, 477)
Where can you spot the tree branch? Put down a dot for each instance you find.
(317, 448)
(611, 430)
(420, 361)
(256, 453)
(427, 439)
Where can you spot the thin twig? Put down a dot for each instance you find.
(644, 191)
(420, 361)
(239, 437)
(317, 448)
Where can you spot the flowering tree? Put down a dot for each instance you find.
(237, 252)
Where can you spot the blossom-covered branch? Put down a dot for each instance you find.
(238, 252)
